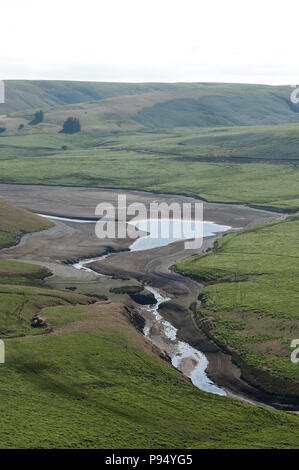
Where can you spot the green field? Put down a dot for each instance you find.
(95, 383)
(14, 272)
(15, 222)
(243, 165)
(251, 303)
(22, 296)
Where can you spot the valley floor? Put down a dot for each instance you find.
(69, 241)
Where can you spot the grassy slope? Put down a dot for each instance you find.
(19, 304)
(15, 222)
(96, 383)
(116, 105)
(25, 94)
(21, 294)
(220, 109)
(16, 273)
(251, 303)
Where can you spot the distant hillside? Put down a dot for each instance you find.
(221, 110)
(131, 106)
(22, 95)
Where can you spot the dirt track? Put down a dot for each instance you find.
(68, 242)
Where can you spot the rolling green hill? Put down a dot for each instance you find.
(26, 94)
(218, 109)
(157, 105)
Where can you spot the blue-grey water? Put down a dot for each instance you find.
(179, 351)
(162, 232)
(68, 219)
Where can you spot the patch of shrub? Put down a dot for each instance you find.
(38, 117)
(71, 126)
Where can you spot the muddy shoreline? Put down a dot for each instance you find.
(69, 242)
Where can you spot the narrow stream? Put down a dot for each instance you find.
(83, 263)
(184, 357)
(191, 362)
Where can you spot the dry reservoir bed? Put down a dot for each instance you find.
(68, 242)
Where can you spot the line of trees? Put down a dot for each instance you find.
(70, 126)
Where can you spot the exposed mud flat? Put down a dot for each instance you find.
(81, 202)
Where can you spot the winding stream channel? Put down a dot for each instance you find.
(184, 357)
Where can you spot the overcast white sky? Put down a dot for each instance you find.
(151, 40)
